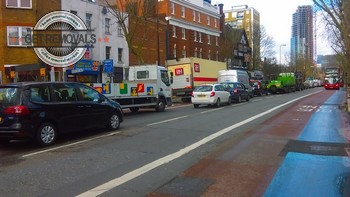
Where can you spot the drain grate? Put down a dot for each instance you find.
(316, 148)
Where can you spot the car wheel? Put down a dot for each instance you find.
(229, 102)
(247, 99)
(114, 122)
(217, 104)
(46, 134)
(195, 105)
(134, 109)
(239, 99)
(160, 105)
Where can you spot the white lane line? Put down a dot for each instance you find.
(68, 145)
(257, 100)
(211, 110)
(167, 120)
(148, 167)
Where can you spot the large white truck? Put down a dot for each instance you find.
(148, 86)
(236, 75)
(191, 72)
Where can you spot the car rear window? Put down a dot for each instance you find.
(203, 89)
(8, 96)
(229, 85)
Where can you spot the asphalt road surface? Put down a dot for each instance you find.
(279, 145)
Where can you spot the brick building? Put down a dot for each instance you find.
(18, 19)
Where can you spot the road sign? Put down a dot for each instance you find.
(108, 66)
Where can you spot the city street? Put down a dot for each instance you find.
(278, 145)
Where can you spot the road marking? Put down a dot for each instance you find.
(203, 112)
(150, 166)
(257, 100)
(68, 145)
(167, 120)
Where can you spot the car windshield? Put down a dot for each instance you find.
(203, 89)
(8, 96)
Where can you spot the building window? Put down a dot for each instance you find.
(16, 36)
(215, 22)
(195, 36)
(108, 53)
(217, 41)
(174, 31)
(174, 51)
(107, 25)
(200, 36)
(184, 52)
(199, 17)
(88, 20)
(120, 30)
(74, 12)
(183, 11)
(208, 20)
(19, 3)
(209, 55)
(196, 52)
(217, 55)
(120, 54)
(209, 39)
(200, 52)
(194, 15)
(183, 33)
(172, 8)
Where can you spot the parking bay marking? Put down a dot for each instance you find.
(166, 159)
(167, 120)
(68, 145)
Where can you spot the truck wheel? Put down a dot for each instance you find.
(195, 105)
(273, 89)
(134, 109)
(217, 104)
(160, 105)
(46, 134)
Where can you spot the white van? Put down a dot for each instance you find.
(235, 76)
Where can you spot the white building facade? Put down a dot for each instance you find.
(109, 48)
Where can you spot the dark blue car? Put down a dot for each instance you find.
(237, 90)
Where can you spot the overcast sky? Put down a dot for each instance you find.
(276, 16)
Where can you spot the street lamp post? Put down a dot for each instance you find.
(282, 45)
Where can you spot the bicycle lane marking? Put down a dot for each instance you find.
(302, 174)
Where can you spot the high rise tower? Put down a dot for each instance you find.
(302, 41)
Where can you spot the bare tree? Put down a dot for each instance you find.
(337, 20)
(267, 44)
(134, 16)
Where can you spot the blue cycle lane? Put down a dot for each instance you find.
(323, 167)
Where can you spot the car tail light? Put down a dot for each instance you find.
(235, 90)
(17, 110)
(212, 94)
(337, 84)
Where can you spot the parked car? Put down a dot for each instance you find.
(237, 90)
(210, 94)
(260, 87)
(309, 84)
(44, 110)
(331, 86)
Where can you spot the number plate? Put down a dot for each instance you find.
(201, 95)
